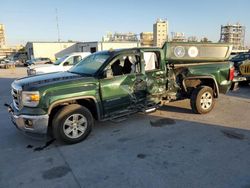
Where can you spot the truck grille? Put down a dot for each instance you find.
(245, 69)
(16, 95)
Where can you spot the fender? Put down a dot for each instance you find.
(54, 104)
(202, 77)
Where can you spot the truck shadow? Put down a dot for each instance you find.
(171, 108)
(241, 92)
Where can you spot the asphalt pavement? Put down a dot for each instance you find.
(171, 147)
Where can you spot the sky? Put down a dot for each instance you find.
(82, 20)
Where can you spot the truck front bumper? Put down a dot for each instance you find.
(239, 78)
(30, 124)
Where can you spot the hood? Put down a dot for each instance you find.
(41, 66)
(39, 80)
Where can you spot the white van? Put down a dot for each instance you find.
(62, 64)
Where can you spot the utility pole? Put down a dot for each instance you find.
(57, 25)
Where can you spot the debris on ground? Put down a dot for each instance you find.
(45, 146)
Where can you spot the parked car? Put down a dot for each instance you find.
(240, 57)
(242, 72)
(62, 64)
(7, 63)
(2, 64)
(38, 61)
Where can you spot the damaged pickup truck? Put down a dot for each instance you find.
(109, 85)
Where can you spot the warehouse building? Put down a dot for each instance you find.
(54, 50)
(49, 49)
(100, 46)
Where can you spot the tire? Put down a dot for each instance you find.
(72, 124)
(202, 100)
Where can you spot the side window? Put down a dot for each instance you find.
(247, 56)
(125, 64)
(152, 61)
(116, 67)
(69, 61)
(77, 59)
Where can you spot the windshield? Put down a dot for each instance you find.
(90, 64)
(241, 56)
(60, 60)
(238, 56)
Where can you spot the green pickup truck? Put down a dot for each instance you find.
(110, 85)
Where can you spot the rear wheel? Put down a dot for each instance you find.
(72, 124)
(202, 100)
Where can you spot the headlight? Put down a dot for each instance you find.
(30, 98)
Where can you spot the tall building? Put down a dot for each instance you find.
(2, 36)
(160, 32)
(234, 34)
(147, 39)
(4, 49)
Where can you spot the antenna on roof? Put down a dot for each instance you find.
(57, 25)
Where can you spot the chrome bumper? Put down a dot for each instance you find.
(239, 78)
(31, 124)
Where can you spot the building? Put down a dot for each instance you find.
(51, 50)
(160, 32)
(178, 37)
(55, 50)
(120, 37)
(8, 51)
(2, 36)
(147, 39)
(100, 46)
(234, 34)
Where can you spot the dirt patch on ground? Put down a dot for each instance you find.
(56, 172)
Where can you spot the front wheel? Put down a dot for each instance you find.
(72, 124)
(202, 100)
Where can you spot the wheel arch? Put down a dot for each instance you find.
(89, 102)
(197, 81)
